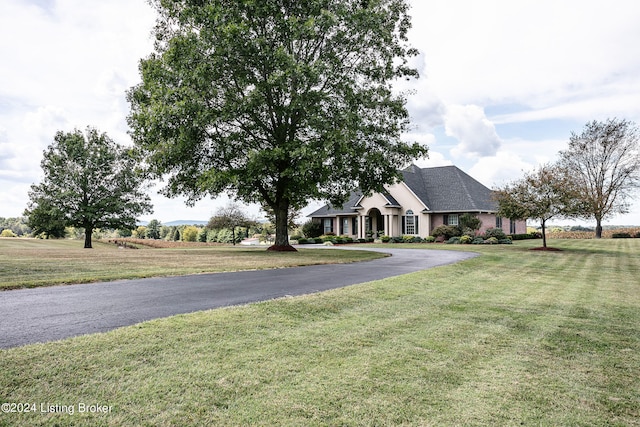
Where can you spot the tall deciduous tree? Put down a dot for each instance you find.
(230, 216)
(543, 194)
(153, 229)
(605, 160)
(275, 101)
(89, 182)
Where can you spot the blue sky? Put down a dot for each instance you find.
(503, 83)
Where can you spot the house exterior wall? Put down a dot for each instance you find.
(392, 221)
(392, 216)
(488, 221)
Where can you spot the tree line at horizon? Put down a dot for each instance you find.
(594, 178)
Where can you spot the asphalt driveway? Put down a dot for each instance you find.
(48, 314)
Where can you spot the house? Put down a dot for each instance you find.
(425, 199)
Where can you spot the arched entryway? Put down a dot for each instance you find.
(375, 223)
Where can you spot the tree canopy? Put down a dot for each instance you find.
(275, 101)
(543, 194)
(605, 162)
(89, 182)
(230, 216)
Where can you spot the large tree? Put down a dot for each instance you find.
(605, 160)
(89, 182)
(230, 216)
(545, 193)
(275, 101)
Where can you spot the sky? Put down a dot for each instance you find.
(503, 83)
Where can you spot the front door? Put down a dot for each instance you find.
(375, 223)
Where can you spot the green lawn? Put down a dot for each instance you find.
(514, 337)
(34, 262)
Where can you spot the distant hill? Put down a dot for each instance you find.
(185, 222)
(176, 223)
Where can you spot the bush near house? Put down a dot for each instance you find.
(311, 229)
(527, 236)
(445, 231)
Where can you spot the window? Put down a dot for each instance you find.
(345, 226)
(452, 219)
(328, 225)
(512, 226)
(498, 222)
(409, 223)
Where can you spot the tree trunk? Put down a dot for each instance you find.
(544, 234)
(598, 228)
(282, 230)
(88, 231)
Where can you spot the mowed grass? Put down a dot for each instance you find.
(514, 337)
(26, 263)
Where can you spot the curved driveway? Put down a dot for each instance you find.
(52, 313)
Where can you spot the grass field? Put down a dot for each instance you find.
(514, 337)
(27, 263)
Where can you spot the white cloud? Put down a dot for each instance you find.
(497, 170)
(469, 125)
(435, 159)
(537, 51)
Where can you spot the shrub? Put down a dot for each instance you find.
(295, 237)
(7, 233)
(385, 239)
(535, 235)
(302, 241)
(492, 241)
(615, 236)
(477, 241)
(505, 241)
(361, 240)
(446, 231)
(466, 239)
(312, 229)
(495, 232)
(455, 240)
(637, 234)
(469, 221)
(430, 239)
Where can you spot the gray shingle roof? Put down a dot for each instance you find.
(448, 189)
(442, 189)
(347, 209)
